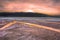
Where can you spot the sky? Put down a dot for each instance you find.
(49, 7)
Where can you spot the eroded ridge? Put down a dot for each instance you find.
(8, 25)
(30, 25)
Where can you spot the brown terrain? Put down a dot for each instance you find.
(28, 29)
(49, 7)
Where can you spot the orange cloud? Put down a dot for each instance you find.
(45, 7)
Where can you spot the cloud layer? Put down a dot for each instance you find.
(43, 5)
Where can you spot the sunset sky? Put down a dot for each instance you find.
(49, 7)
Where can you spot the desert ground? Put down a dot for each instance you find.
(29, 28)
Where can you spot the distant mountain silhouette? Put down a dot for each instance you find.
(23, 14)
